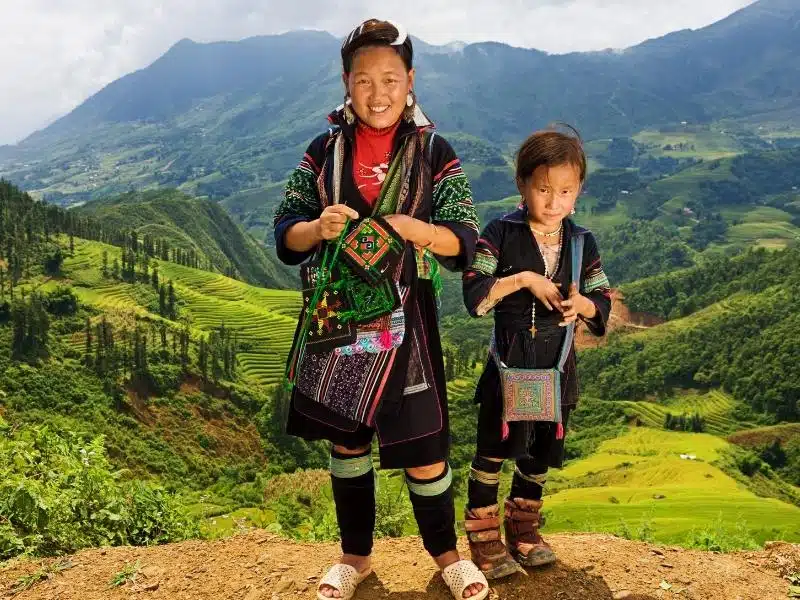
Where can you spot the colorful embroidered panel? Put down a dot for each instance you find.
(381, 335)
(372, 249)
(531, 394)
(370, 301)
(331, 320)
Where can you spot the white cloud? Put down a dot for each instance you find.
(54, 54)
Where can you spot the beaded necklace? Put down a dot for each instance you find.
(549, 275)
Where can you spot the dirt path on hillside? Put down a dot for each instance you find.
(620, 318)
(260, 566)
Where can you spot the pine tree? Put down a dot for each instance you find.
(203, 358)
(214, 348)
(87, 355)
(164, 352)
(162, 301)
(171, 308)
(185, 340)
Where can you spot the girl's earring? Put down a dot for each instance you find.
(349, 116)
(572, 212)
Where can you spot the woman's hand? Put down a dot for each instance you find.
(576, 304)
(439, 240)
(544, 289)
(333, 220)
(406, 227)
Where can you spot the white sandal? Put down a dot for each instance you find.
(343, 578)
(462, 574)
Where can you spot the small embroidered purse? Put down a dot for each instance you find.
(331, 320)
(373, 249)
(535, 394)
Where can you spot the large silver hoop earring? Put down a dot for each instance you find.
(411, 105)
(349, 115)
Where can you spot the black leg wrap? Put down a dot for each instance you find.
(353, 484)
(434, 509)
(529, 479)
(484, 480)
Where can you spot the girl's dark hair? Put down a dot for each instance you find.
(376, 33)
(551, 147)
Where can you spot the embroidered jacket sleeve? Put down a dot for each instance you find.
(479, 278)
(301, 200)
(452, 203)
(595, 286)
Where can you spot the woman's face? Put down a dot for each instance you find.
(550, 193)
(378, 85)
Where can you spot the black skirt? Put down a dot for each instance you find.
(526, 438)
(311, 421)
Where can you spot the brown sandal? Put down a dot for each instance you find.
(488, 551)
(522, 527)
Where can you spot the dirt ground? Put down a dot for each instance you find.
(261, 566)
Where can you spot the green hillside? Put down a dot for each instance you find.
(191, 224)
(175, 393)
(265, 319)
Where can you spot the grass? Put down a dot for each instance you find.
(640, 480)
(265, 319)
(45, 572)
(127, 574)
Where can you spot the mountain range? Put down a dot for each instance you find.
(216, 119)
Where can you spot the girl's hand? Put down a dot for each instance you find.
(575, 305)
(334, 219)
(545, 290)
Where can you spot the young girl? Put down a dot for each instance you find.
(523, 270)
(381, 158)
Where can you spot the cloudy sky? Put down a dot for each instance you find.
(56, 53)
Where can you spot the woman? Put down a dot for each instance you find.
(382, 159)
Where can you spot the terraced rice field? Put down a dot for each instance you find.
(639, 482)
(715, 407)
(264, 319)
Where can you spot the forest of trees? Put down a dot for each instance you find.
(682, 292)
(748, 347)
(638, 249)
(28, 246)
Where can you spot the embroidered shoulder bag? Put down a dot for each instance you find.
(535, 394)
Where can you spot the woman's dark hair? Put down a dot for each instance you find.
(376, 33)
(551, 148)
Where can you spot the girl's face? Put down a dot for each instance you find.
(550, 193)
(378, 85)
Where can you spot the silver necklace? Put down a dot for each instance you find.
(551, 234)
